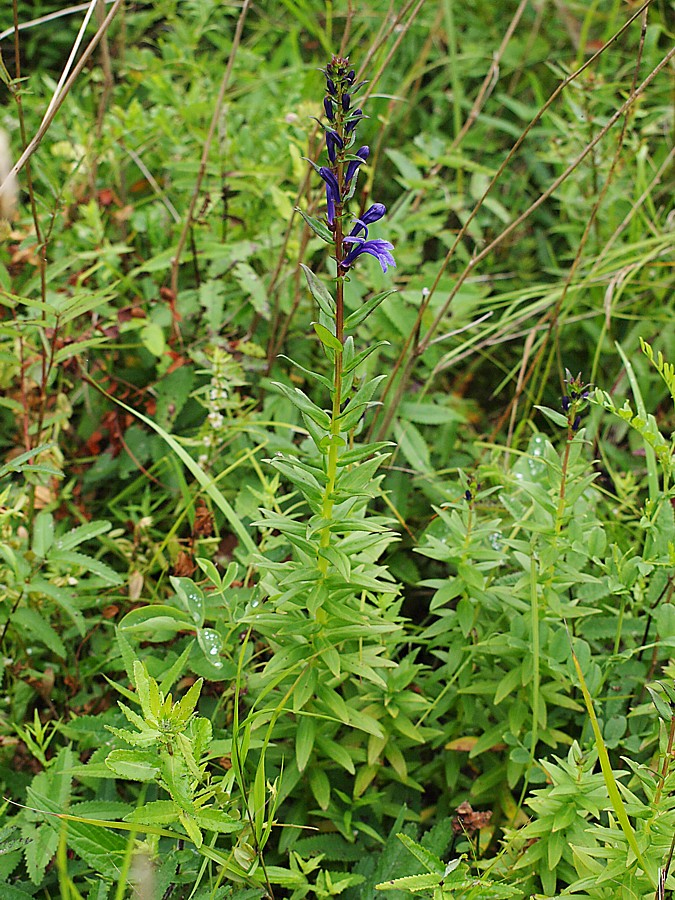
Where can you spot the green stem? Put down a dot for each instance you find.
(334, 448)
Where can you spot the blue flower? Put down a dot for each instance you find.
(363, 153)
(328, 106)
(353, 120)
(372, 214)
(332, 192)
(333, 142)
(377, 248)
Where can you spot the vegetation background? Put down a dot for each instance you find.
(459, 681)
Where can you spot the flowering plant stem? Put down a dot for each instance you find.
(334, 447)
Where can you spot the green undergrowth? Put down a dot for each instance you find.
(317, 580)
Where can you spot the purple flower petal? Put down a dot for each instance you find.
(353, 120)
(332, 192)
(363, 153)
(377, 248)
(372, 214)
(333, 142)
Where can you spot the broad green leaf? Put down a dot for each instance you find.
(191, 596)
(152, 337)
(211, 645)
(43, 534)
(217, 820)
(63, 597)
(176, 777)
(136, 765)
(156, 812)
(211, 572)
(413, 446)
(149, 620)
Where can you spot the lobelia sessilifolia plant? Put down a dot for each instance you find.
(327, 610)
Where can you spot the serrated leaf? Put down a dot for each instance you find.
(37, 625)
(88, 563)
(429, 860)
(136, 765)
(217, 820)
(155, 812)
(413, 883)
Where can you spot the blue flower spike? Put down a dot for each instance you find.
(341, 172)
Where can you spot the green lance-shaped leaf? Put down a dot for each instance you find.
(364, 311)
(317, 227)
(320, 292)
(314, 376)
(363, 356)
(327, 338)
(302, 402)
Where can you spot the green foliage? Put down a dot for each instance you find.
(384, 614)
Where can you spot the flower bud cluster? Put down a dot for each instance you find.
(574, 399)
(341, 173)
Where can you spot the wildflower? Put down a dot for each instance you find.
(372, 214)
(353, 120)
(362, 153)
(333, 142)
(376, 247)
(332, 192)
(328, 106)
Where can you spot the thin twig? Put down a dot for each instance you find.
(57, 102)
(41, 20)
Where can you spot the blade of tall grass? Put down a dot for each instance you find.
(204, 480)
